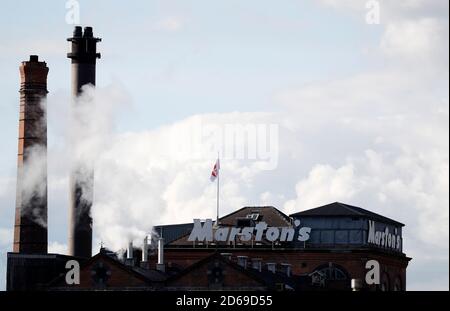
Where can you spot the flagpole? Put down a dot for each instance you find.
(218, 182)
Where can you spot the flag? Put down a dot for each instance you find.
(215, 171)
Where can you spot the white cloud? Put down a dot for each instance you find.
(171, 24)
(6, 237)
(393, 9)
(323, 185)
(57, 248)
(419, 39)
(413, 30)
(44, 48)
(7, 184)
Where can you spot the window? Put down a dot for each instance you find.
(253, 216)
(100, 274)
(215, 274)
(333, 272)
(384, 286)
(397, 284)
(244, 222)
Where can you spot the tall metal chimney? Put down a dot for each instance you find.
(145, 250)
(130, 250)
(30, 227)
(83, 55)
(160, 265)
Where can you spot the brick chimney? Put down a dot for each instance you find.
(30, 226)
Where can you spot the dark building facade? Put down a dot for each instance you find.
(342, 239)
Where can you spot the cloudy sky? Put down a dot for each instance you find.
(352, 112)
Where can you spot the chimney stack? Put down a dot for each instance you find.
(272, 267)
(145, 250)
(83, 55)
(286, 269)
(130, 250)
(160, 265)
(129, 260)
(30, 227)
(144, 263)
(257, 264)
(357, 284)
(227, 255)
(242, 261)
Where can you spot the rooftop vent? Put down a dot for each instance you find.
(242, 261)
(257, 264)
(286, 269)
(272, 267)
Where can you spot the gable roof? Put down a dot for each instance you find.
(147, 277)
(265, 277)
(216, 256)
(341, 209)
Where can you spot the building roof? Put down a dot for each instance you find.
(210, 258)
(269, 214)
(173, 232)
(148, 277)
(341, 209)
(177, 234)
(264, 277)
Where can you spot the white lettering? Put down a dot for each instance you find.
(373, 15)
(383, 238)
(272, 234)
(260, 227)
(303, 234)
(200, 232)
(287, 234)
(373, 275)
(204, 232)
(73, 275)
(221, 234)
(246, 234)
(234, 232)
(73, 13)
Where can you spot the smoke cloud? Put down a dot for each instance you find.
(32, 175)
(34, 185)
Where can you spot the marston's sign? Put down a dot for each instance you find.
(228, 234)
(384, 238)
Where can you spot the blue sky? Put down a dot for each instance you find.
(357, 105)
(224, 56)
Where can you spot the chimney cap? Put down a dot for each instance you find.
(88, 33)
(77, 32)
